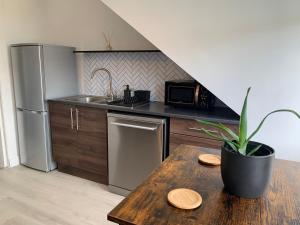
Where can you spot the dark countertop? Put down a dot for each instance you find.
(147, 204)
(221, 115)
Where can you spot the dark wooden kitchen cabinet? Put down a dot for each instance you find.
(186, 131)
(79, 140)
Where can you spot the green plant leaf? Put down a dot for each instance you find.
(254, 150)
(221, 127)
(209, 133)
(275, 111)
(242, 149)
(230, 132)
(243, 121)
(232, 144)
(221, 138)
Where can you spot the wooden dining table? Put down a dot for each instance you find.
(148, 204)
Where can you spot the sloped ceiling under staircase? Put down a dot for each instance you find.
(228, 46)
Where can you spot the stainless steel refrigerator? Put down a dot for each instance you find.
(40, 72)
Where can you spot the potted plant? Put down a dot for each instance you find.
(246, 165)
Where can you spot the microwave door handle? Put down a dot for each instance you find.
(197, 93)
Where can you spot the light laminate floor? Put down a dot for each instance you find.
(29, 197)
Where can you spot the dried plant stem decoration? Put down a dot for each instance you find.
(107, 38)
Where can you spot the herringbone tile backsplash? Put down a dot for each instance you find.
(141, 70)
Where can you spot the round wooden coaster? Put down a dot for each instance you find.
(183, 198)
(210, 159)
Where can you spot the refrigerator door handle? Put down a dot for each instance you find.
(72, 120)
(31, 111)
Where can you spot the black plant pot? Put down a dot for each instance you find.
(247, 176)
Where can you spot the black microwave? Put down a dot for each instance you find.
(188, 93)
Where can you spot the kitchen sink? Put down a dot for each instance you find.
(90, 99)
(93, 99)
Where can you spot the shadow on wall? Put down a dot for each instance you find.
(2, 141)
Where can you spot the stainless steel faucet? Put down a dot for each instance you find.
(110, 91)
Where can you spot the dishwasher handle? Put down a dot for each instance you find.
(134, 126)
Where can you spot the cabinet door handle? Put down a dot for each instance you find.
(77, 123)
(72, 120)
(199, 129)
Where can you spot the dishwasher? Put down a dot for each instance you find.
(136, 146)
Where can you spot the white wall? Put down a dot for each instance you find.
(228, 46)
(81, 23)
(1, 153)
(20, 21)
(77, 23)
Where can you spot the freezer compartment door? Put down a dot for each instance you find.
(60, 72)
(34, 139)
(135, 149)
(28, 78)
